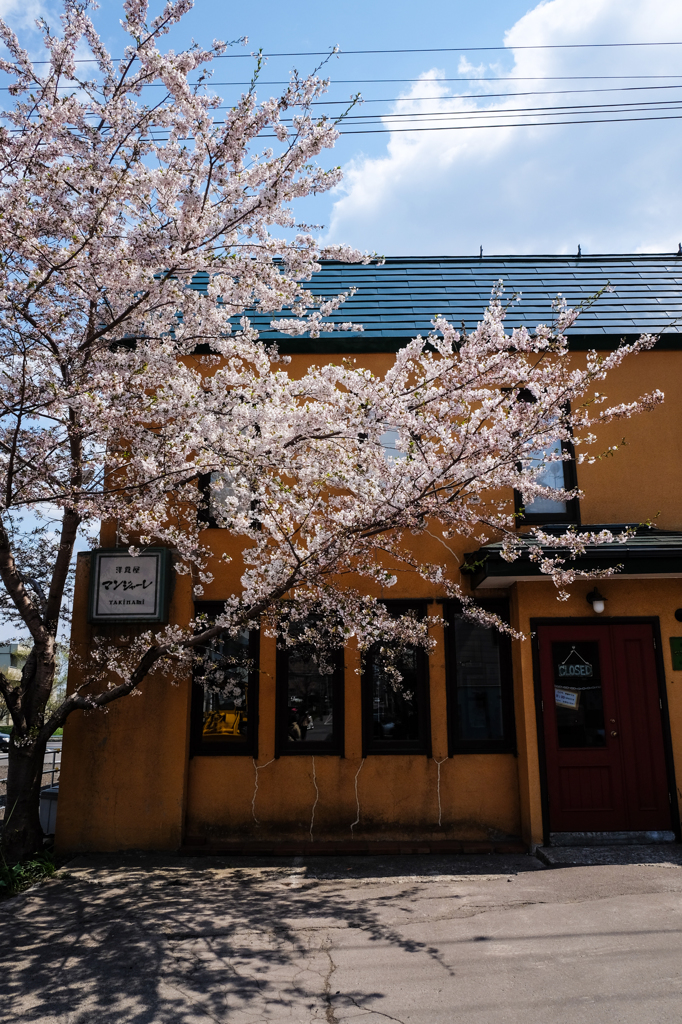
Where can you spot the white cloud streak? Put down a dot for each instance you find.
(609, 187)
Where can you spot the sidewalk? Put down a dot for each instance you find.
(422, 939)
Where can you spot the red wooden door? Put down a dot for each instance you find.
(603, 730)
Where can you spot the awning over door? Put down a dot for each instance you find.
(649, 554)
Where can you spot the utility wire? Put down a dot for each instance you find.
(426, 49)
(475, 127)
(416, 81)
(642, 105)
(524, 124)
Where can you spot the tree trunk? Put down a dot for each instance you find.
(22, 835)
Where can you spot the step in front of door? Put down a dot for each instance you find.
(609, 838)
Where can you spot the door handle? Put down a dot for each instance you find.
(613, 732)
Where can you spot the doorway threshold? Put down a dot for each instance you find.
(610, 838)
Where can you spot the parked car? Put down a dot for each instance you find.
(4, 742)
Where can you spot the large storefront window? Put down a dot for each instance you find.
(480, 698)
(309, 703)
(396, 715)
(225, 695)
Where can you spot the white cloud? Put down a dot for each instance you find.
(21, 14)
(611, 188)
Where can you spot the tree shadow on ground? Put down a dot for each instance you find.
(153, 940)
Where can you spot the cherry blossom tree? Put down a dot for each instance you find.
(113, 206)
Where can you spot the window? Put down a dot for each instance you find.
(225, 694)
(396, 717)
(221, 496)
(479, 679)
(309, 703)
(555, 474)
(389, 441)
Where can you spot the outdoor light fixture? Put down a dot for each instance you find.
(596, 600)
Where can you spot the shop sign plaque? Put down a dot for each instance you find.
(127, 588)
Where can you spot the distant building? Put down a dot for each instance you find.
(578, 729)
(12, 660)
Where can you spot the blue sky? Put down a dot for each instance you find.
(608, 187)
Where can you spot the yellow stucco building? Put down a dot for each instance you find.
(576, 729)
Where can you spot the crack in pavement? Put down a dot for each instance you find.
(379, 1013)
(329, 1014)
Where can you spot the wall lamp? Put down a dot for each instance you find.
(596, 600)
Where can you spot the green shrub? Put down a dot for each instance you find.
(17, 877)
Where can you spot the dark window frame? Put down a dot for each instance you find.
(572, 514)
(198, 747)
(282, 748)
(204, 515)
(382, 748)
(506, 745)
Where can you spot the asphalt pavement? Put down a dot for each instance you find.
(478, 939)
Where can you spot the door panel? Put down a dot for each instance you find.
(603, 731)
(640, 722)
(583, 786)
(585, 778)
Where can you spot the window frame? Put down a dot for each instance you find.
(382, 748)
(334, 749)
(507, 744)
(204, 515)
(572, 514)
(197, 746)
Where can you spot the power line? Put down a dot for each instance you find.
(426, 49)
(506, 111)
(470, 96)
(485, 96)
(529, 124)
(474, 127)
(415, 81)
(644, 104)
(363, 120)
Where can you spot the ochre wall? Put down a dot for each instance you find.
(397, 794)
(127, 780)
(124, 771)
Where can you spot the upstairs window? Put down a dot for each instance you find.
(557, 474)
(220, 495)
(396, 715)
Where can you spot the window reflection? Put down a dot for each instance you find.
(225, 497)
(578, 694)
(480, 684)
(225, 673)
(310, 700)
(552, 475)
(479, 681)
(395, 706)
(396, 710)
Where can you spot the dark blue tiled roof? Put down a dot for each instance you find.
(397, 300)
